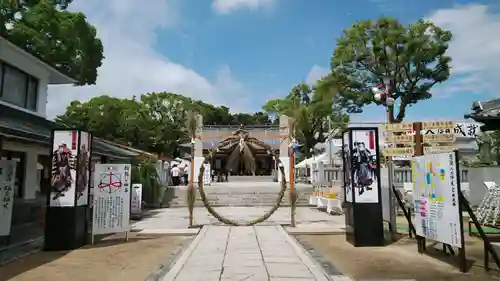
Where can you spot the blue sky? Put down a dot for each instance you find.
(240, 53)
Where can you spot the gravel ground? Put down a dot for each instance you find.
(396, 261)
(108, 260)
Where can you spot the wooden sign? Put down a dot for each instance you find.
(398, 151)
(438, 149)
(398, 127)
(439, 138)
(438, 125)
(402, 139)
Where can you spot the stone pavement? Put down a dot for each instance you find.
(259, 253)
(177, 218)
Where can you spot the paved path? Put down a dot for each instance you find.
(177, 218)
(260, 253)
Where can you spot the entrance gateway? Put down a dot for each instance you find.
(240, 153)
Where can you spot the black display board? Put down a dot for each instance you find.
(362, 193)
(68, 200)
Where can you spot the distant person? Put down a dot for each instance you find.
(176, 172)
(186, 175)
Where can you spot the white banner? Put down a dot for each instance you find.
(364, 163)
(136, 201)
(435, 193)
(83, 166)
(7, 178)
(111, 206)
(64, 159)
(207, 177)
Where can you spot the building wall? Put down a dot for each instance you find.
(18, 58)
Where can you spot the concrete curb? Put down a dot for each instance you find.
(163, 269)
(317, 271)
(179, 263)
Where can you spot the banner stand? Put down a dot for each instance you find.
(362, 192)
(67, 203)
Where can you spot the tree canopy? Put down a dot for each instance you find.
(310, 113)
(413, 57)
(154, 122)
(62, 38)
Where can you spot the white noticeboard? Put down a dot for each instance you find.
(7, 178)
(207, 177)
(435, 195)
(111, 206)
(136, 201)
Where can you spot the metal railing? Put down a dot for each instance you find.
(401, 175)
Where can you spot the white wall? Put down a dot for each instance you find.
(18, 58)
(31, 182)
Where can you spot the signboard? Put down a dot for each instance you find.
(439, 138)
(7, 178)
(398, 151)
(438, 149)
(64, 159)
(136, 200)
(364, 166)
(438, 125)
(402, 139)
(397, 127)
(83, 169)
(111, 206)
(435, 193)
(461, 130)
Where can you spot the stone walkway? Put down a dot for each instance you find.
(259, 253)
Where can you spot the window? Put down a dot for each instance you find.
(18, 88)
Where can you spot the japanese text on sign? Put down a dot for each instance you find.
(399, 127)
(438, 149)
(398, 151)
(443, 125)
(440, 138)
(7, 188)
(400, 139)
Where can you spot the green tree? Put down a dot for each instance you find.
(63, 38)
(413, 57)
(310, 112)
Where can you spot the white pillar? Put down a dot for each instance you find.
(31, 179)
(284, 157)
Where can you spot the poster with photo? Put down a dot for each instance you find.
(347, 170)
(7, 178)
(83, 166)
(64, 159)
(364, 165)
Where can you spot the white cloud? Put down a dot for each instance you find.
(317, 72)
(228, 6)
(132, 66)
(474, 48)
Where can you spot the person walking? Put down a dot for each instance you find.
(176, 172)
(185, 175)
